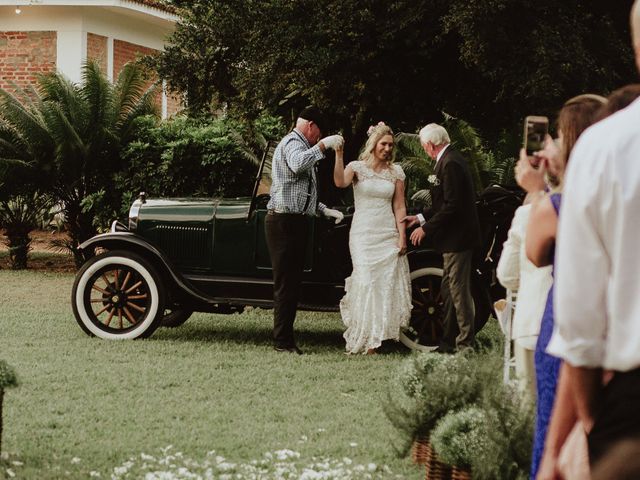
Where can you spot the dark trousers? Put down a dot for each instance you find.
(458, 319)
(618, 418)
(287, 243)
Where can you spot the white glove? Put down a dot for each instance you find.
(331, 213)
(333, 141)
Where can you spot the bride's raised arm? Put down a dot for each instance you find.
(342, 177)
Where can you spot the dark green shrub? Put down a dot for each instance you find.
(19, 215)
(8, 379)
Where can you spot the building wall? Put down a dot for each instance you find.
(97, 50)
(25, 54)
(125, 52)
(46, 38)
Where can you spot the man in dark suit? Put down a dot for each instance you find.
(452, 224)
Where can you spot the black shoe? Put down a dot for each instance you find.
(293, 349)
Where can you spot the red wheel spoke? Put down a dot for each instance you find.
(101, 290)
(111, 313)
(136, 307)
(134, 286)
(120, 318)
(96, 300)
(116, 279)
(137, 297)
(103, 309)
(126, 280)
(129, 316)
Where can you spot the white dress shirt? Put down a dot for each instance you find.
(516, 272)
(597, 297)
(438, 157)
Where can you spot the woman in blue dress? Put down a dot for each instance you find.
(574, 117)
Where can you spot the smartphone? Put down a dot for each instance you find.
(535, 130)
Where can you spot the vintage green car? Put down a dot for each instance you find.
(177, 256)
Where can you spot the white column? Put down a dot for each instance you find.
(165, 106)
(71, 53)
(110, 58)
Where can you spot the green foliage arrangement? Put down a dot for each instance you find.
(8, 379)
(460, 437)
(460, 404)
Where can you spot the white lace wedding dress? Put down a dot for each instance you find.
(377, 303)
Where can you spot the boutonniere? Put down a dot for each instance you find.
(434, 180)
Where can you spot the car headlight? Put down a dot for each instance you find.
(134, 212)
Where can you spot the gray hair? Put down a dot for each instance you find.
(435, 134)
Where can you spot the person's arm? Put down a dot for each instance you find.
(342, 177)
(541, 232)
(586, 385)
(508, 270)
(563, 418)
(299, 158)
(400, 212)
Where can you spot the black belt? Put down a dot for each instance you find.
(271, 211)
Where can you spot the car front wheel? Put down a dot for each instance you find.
(118, 295)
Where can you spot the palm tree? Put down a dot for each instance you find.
(70, 136)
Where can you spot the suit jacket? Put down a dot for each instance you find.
(452, 220)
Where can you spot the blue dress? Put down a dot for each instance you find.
(547, 370)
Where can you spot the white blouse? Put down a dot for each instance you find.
(516, 272)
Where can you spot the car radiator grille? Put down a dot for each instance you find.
(187, 245)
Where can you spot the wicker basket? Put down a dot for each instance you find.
(422, 453)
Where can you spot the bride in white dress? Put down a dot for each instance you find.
(377, 303)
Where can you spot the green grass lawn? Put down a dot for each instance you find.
(85, 406)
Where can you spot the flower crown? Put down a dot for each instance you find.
(372, 128)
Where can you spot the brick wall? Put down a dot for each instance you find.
(25, 54)
(124, 52)
(97, 50)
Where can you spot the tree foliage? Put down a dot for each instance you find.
(491, 62)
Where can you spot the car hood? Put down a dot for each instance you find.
(193, 209)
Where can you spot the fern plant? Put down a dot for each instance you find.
(69, 135)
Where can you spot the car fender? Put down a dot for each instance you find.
(132, 242)
(420, 257)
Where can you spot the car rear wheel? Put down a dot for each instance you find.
(426, 323)
(176, 317)
(118, 295)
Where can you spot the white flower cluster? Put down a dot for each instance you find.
(278, 465)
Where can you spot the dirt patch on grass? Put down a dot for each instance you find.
(44, 255)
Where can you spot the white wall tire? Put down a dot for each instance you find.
(118, 295)
(425, 280)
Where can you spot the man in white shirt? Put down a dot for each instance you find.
(598, 275)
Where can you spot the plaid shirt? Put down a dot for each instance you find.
(293, 174)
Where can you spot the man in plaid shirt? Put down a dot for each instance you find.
(294, 195)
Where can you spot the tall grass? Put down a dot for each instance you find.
(87, 405)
